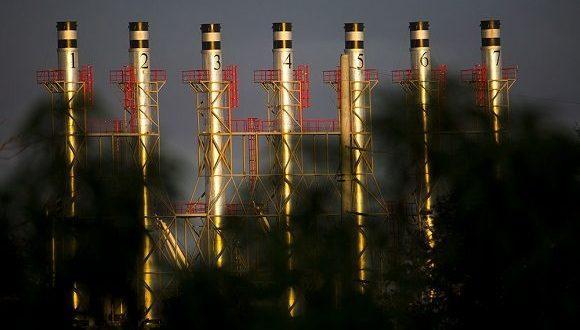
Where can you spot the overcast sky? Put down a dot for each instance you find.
(541, 36)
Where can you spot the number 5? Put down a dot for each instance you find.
(361, 61)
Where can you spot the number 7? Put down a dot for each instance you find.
(498, 56)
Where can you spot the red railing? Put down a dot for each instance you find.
(252, 126)
(320, 125)
(260, 125)
(128, 74)
(371, 75)
(438, 74)
(201, 208)
(478, 77)
(510, 72)
(262, 76)
(333, 76)
(87, 77)
(302, 74)
(230, 74)
(476, 74)
(157, 75)
(398, 76)
(479, 73)
(194, 76)
(109, 125)
(190, 207)
(49, 76)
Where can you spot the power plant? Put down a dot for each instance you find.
(257, 171)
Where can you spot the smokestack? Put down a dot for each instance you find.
(354, 48)
(68, 64)
(421, 71)
(492, 61)
(420, 50)
(216, 164)
(286, 110)
(143, 117)
(345, 135)
(140, 60)
(287, 120)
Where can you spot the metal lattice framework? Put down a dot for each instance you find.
(363, 184)
(490, 94)
(69, 102)
(425, 98)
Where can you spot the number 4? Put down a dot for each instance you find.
(288, 61)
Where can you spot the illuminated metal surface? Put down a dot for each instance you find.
(492, 61)
(345, 134)
(145, 118)
(217, 124)
(68, 62)
(421, 71)
(287, 118)
(354, 48)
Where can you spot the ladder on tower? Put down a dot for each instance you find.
(252, 127)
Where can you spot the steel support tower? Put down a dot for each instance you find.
(491, 81)
(361, 198)
(71, 90)
(423, 86)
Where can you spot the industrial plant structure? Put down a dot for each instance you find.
(254, 170)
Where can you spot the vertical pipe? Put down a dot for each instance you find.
(492, 61)
(216, 125)
(287, 118)
(139, 59)
(354, 48)
(68, 63)
(345, 134)
(421, 69)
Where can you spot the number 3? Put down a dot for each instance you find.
(218, 63)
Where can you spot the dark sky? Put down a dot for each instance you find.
(541, 36)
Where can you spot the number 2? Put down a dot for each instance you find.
(145, 64)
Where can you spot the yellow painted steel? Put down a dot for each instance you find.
(359, 155)
(345, 135)
(421, 71)
(140, 61)
(217, 157)
(286, 114)
(68, 62)
(492, 60)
